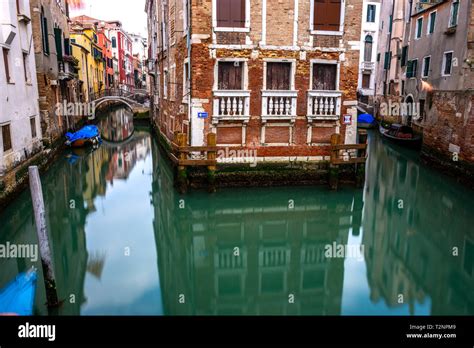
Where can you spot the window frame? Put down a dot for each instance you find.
(413, 76)
(428, 32)
(328, 62)
(243, 61)
(367, 14)
(10, 150)
(419, 28)
(326, 32)
(244, 29)
(424, 66)
(35, 128)
(450, 22)
(7, 65)
(443, 67)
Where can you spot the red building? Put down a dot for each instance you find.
(106, 44)
(122, 49)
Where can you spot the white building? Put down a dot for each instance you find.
(20, 131)
(368, 54)
(140, 47)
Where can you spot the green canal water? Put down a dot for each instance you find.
(126, 243)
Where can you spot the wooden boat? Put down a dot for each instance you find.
(88, 135)
(402, 135)
(18, 297)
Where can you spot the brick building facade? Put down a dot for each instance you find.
(55, 67)
(275, 76)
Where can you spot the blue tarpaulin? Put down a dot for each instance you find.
(366, 118)
(18, 297)
(86, 132)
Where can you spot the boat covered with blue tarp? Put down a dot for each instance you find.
(366, 121)
(18, 297)
(88, 135)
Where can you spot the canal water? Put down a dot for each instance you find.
(126, 243)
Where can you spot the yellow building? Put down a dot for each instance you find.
(84, 38)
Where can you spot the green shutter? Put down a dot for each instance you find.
(404, 55)
(58, 38)
(388, 58)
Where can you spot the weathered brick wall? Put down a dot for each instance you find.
(208, 46)
(450, 122)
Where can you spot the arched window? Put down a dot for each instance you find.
(368, 48)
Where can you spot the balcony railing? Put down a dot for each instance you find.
(325, 105)
(231, 105)
(279, 104)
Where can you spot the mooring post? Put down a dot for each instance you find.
(211, 169)
(333, 167)
(41, 230)
(182, 178)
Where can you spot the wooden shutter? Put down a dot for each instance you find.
(327, 15)
(229, 76)
(223, 13)
(7, 140)
(324, 77)
(5, 63)
(231, 13)
(58, 38)
(365, 80)
(278, 76)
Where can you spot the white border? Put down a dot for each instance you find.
(444, 64)
(423, 67)
(246, 27)
(326, 32)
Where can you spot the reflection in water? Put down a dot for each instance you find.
(125, 242)
(117, 126)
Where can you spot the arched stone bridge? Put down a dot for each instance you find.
(135, 99)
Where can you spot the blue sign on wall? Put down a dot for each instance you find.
(203, 114)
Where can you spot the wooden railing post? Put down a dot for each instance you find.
(211, 169)
(182, 178)
(333, 167)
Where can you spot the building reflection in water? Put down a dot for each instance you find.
(411, 225)
(281, 249)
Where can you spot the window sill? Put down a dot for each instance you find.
(326, 32)
(230, 29)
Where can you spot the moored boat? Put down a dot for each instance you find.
(366, 121)
(88, 135)
(402, 135)
(18, 297)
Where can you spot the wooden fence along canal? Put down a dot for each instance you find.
(344, 157)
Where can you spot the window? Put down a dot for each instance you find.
(165, 84)
(114, 42)
(7, 66)
(26, 67)
(229, 75)
(44, 31)
(366, 80)
(371, 13)
(419, 27)
(431, 22)
(390, 22)
(186, 81)
(327, 15)
(368, 48)
(378, 57)
(447, 63)
(404, 57)
(324, 77)
(33, 127)
(6, 138)
(387, 60)
(426, 66)
(412, 68)
(58, 38)
(453, 19)
(278, 76)
(230, 13)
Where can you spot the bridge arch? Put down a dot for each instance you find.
(103, 100)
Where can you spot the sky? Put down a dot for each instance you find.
(130, 12)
